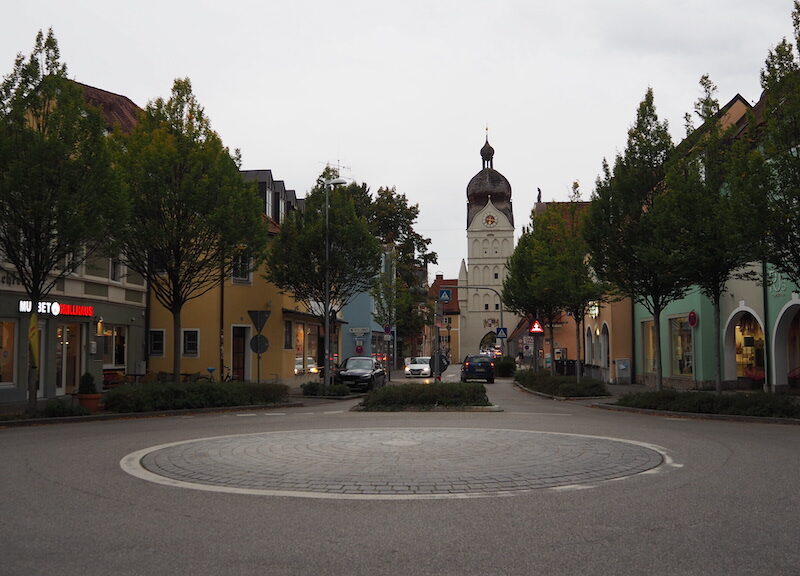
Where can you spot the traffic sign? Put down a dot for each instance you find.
(259, 318)
(445, 295)
(502, 332)
(536, 328)
(259, 344)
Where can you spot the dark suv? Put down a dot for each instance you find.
(478, 367)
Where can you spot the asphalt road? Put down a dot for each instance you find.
(723, 498)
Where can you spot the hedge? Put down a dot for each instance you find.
(419, 395)
(558, 385)
(155, 396)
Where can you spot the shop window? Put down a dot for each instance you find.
(649, 346)
(156, 343)
(190, 343)
(8, 330)
(299, 340)
(680, 335)
(288, 340)
(114, 344)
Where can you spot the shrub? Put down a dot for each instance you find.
(505, 366)
(57, 408)
(315, 388)
(564, 386)
(749, 404)
(86, 384)
(154, 396)
(419, 395)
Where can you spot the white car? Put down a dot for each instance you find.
(419, 367)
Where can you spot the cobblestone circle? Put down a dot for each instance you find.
(393, 463)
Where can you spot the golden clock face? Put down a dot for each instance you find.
(490, 220)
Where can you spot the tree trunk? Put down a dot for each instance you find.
(32, 363)
(177, 339)
(657, 327)
(717, 348)
(551, 329)
(577, 351)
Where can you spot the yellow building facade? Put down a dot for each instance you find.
(219, 330)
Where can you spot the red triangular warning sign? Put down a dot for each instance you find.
(536, 328)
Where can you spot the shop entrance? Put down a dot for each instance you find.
(67, 358)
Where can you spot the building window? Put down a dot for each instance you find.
(8, 330)
(497, 306)
(268, 203)
(496, 275)
(190, 340)
(486, 306)
(288, 335)
(116, 270)
(680, 336)
(114, 345)
(95, 266)
(242, 264)
(155, 343)
(649, 346)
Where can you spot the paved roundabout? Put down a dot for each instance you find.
(393, 463)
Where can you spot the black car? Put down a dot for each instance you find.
(360, 373)
(478, 367)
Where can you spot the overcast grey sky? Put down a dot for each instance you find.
(400, 93)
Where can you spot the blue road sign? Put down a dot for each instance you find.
(502, 332)
(445, 294)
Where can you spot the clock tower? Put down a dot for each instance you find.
(490, 243)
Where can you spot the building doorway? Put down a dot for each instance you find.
(67, 358)
(239, 353)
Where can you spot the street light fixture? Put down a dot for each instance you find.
(328, 184)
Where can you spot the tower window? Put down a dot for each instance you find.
(485, 306)
(496, 275)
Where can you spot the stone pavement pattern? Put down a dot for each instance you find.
(394, 463)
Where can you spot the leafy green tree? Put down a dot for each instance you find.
(59, 199)
(296, 258)
(391, 219)
(780, 79)
(630, 223)
(527, 287)
(193, 216)
(580, 289)
(716, 245)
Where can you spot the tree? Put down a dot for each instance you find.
(630, 223)
(391, 219)
(527, 288)
(716, 245)
(580, 289)
(59, 199)
(780, 79)
(296, 258)
(193, 216)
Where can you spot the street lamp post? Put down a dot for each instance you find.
(328, 184)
